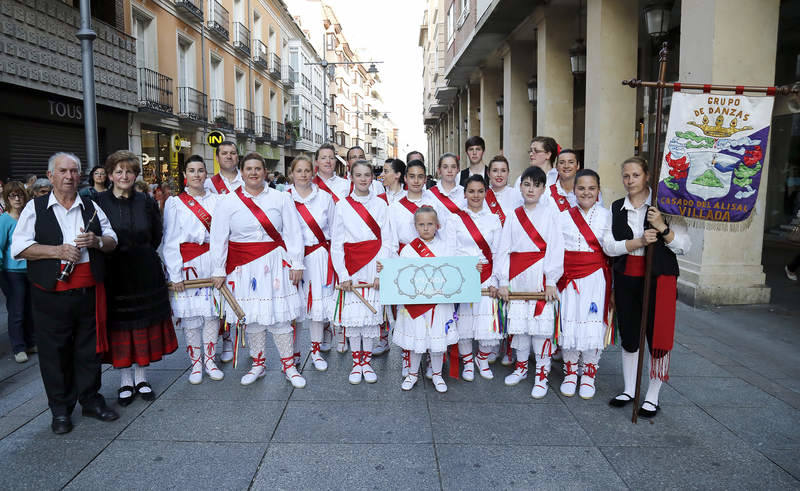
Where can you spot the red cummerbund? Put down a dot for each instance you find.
(81, 277)
(359, 254)
(240, 253)
(634, 266)
(190, 250)
(580, 264)
(520, 261)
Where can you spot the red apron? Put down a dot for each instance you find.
(359, 254)
(520, 261)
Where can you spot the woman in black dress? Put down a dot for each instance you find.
(140, 327)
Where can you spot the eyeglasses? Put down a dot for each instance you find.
(534, 150)
(14, 196)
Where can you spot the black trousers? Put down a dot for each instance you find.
(628, 300)
(66, 337)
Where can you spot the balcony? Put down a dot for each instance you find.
(241, 39)
(318, 93)
(279, 133)
(263, 129)
(155, 91)
(245, 122)
(222, 114)
(192, 105)
(275, 66)
(342, 139)
(191, 9)
(317, 138)
(260, 55)
(307, 135)
(306, 82)
(289, 78)
(218, 19)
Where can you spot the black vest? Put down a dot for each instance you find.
(664, 260)
(43, 272)
(464, 175)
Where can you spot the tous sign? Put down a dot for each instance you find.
(65, 110)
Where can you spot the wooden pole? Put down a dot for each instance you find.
(785, 90)
(655, 170)
(361, 297)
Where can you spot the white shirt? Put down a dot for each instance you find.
(570, 197)
(438, 247)
(321, 206)
(236, 183)
(339, 185)
(460, 241)
(598, 219)
(70, 220)
(514, 238)
(400, 223)
(509, 200)
(233, 221)
(348, 227)
(182, 225)
(456, 195)
(552, 177)
(393, 197)
(636, 217)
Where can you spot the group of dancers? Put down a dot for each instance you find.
(312, 257)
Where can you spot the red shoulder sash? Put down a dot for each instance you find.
(364, 214)
(307, 217)
(383, 197)
(447, 202)
(561, 201)
(480, 241)
(585, 229)
(529, 229)
(262, 218)
(198, 210)
(219, 184)
(321, 184)
(409, 205)
(494, 206)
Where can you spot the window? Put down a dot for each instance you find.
(217, 82)
(331, 41)
(271, 44)
(256, 34)
(273, 105)
(295, 108)
(144, 30)
(240, 94)
(451, 34)
(186, 65)
(464, 13)
(238, 11)
(258, 103)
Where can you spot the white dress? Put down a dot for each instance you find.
(181, 226)
(582, 301)
(547, 270)
(476, 320)
(315, 294)
(261, 286)
(349, 227)
(456, 195)
(400, 228)
(434, 330)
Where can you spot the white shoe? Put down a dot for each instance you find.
(469, 368)
(227, 351)
(327, 336)
(483, 365)
(540, 389)
(587, 389)
(507, 360)
(409, 381)
(293, 376)
(492, 357)
(355, 373)
(438, 383)
(21, 357)
(789, 274)
(256, 372)
(366, 369)
(196, 375)
(519, 374)
(214, 373)
(341, 346)
(381, 348)
(319, 362)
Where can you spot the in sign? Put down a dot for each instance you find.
(215, 138)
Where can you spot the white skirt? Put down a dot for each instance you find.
(351, 312)
(433, 331)
(521, 318)
(195, 301)
(582, 326)
(315, 295)
(476, 321)
(264, 292)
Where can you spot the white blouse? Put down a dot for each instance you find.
(509, 200)
(321, 206)
(233, 221)
(232, 185)
(182, 225)
(339, 185)
(438, 247)
(348, 226)
(393, 197)
(515, 239)
(460, 241)
(598, 219)
(400, 224)
(456, 195)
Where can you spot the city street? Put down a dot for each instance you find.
(729, 418)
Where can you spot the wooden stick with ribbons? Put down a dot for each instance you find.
(361, 297)
(518, 295)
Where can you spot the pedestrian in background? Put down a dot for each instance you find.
(41, 187)
(98, 182)
(29, 180)
(140, 328)
(14, 278)
(2, 201)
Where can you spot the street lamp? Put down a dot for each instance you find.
(656, 16)
(500, 106)
(577, 53)
(532, 90)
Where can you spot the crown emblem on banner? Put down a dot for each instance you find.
(719, 131)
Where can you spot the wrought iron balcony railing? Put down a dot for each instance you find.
(241, 38)
(306, 82)
(192, 104)
(218, 19)
(260, 55)
(275, 66)
(222, 114)
(263, 128)
(279, 136)
(155, 91)
(192, 9)
(289, 77)
(244, 122)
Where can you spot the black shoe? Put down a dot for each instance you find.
(648, 413)
(101, 412)
(146, 396)
(620, 402)
(125, 401)
(61, 425)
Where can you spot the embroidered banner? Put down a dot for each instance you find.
(714, 155)
(430, 280)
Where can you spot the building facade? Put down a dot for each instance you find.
(508, 70)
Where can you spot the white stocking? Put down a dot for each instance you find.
(210, 337)
(193, 336)
(139, 376)
(366, 344)
(437, 359)
(465, 347)
(126, 377)
(415, 359)
(257, 342)
(522, 342)
(315, 331)
(355, 343)
(543, 350)
(629, 362)
(284, 343)
(652, 391)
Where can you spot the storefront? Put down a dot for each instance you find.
(36, 125)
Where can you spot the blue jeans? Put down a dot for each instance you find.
(17, 290)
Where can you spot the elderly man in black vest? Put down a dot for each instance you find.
(58, 233)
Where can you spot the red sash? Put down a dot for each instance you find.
(409, 205)
(82, 277)
(578, 264)
(198, 210)
(494, 205)
(319, 234)
(424, 251)
(383, 197)
(447, 202)
(219, 184)
(321, 184)
(261, 217)
(634, 266)
(561, 202)
(480, 241)
(240, 253)
(359, 254)
(520, 261)
(190, 250)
